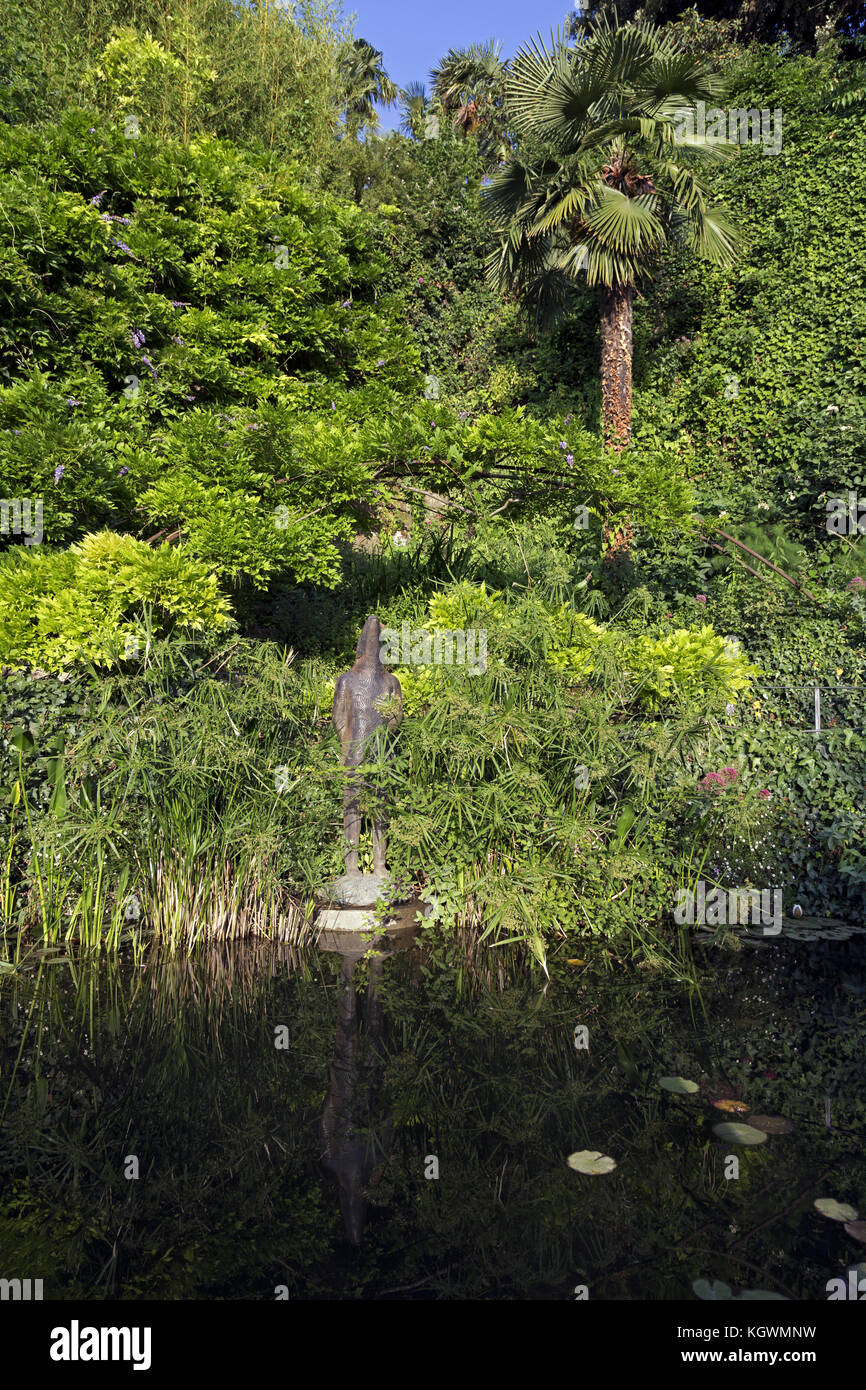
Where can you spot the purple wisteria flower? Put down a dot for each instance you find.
(59, 471)
(563, 443)
(381, 362)
(346, 304)
(568, 419)
(123, 472)
(150, 367)
(569, 458)
(97, 199)
(138, 339)
(121, 245)
(175, 339)
(179, 303)
(333, 405)
(70, 400)
(91, 130)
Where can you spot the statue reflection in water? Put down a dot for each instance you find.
(356, 1125)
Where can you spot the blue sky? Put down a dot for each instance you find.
(413, 36)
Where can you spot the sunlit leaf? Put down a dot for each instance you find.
(591, 1161)
(836, 1211)
(679, 1085)
(732, 1133)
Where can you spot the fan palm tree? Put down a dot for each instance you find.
(365, 81)
(415, 104)
(604, 175)
(470, 85)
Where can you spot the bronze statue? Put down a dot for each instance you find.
(362, 728)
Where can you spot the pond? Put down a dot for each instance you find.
(260, 1121)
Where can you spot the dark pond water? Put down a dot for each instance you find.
(320, 1126)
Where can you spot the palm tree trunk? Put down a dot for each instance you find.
(616, 351)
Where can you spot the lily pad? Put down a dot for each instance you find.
(591, 1161)
(715, 1292)
(733, 1133)
(679, 1085)
(734, 1107)
(763, 1296)
(857, 1229)
(771, 1124)
(837, 1211)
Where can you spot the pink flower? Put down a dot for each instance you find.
(700, 598)
(717, 781)
(763, 792)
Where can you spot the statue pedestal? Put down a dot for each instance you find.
(361, 890)
(339, 923)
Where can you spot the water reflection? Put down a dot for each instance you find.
(281, 1103)
(356, 1128)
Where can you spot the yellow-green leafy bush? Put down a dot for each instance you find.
(86, 602)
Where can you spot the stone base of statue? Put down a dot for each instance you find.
(367, 906)
(362, 890)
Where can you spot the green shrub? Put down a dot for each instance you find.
(86, 603)
(688, 664)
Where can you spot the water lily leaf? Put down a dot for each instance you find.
(714, 1292)
(735, 1107)
(837, 1211)
(733, 1133)
(857, 1229)
(591, 1161)
(764, 1296)
(679, 1085)
(771, 1124)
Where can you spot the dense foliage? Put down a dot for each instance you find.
(253, 374)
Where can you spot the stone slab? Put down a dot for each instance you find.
(360, 890)
(341, 923)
